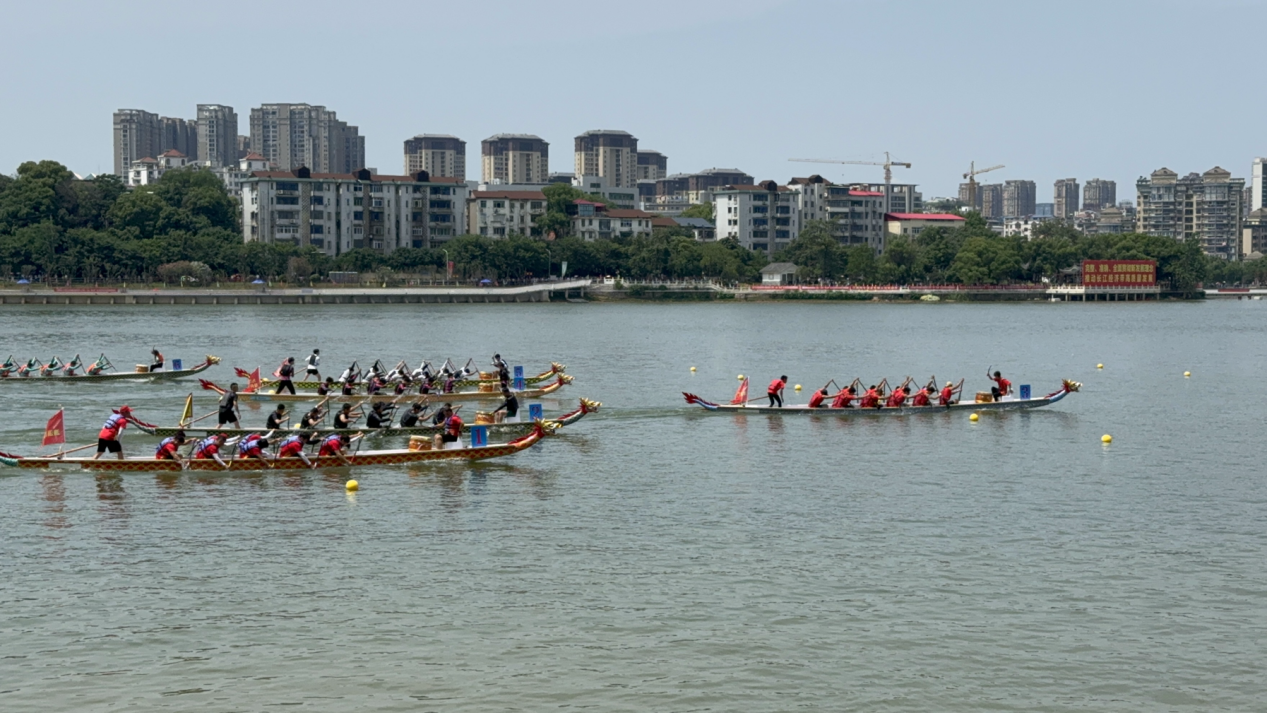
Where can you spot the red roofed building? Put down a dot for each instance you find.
(594, 221)
(910, 225)
(498, 214)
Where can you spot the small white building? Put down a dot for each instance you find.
(763, 217)
(910, 225)
(778, 273)
(1023, 227)
(498, 213)
(594, 221)
(145, 171)
(618, 196)
(233, 176)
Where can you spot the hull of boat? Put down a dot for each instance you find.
(462, 384)
(460, 396)
(1007, 404)
(116, 376)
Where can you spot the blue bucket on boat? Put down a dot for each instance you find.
(175, 365)
(1025, 392)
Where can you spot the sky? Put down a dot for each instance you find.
(1110, 89)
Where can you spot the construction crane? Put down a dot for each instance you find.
(888, 170)
(971, 175)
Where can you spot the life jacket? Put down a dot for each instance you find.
(871, 399)
(897, 398)
(289, 445)
(112, 427)
(206, 448)
(453, 426)
(162, 446)
(249, 444)
(331, 445)
(843, 399)
(775, 385)
(921, 398)
(947, 394)
(817, 399)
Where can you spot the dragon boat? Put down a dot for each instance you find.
(485, 377)
(407, 398)
(357, 459)
(1007, 403)
(510, 428)
(55, 371)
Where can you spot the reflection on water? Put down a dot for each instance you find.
(53, 490)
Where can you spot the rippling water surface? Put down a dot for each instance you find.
(656, 558)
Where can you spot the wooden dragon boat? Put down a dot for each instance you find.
(1008, 403)
(362, 458)
(34, 371)
(508, 428)
(435, 398)
(555, 368)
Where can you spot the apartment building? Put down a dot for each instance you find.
(652, 165)
(1098, 194)
(608, 153)
(1205, 206)
(515, 158)
(910, 225)
(217, 129)
(990, 199)
(1019, 198)
(595, 221)
(1066, 198)
(145, 171)
(965, 196)
(338, 212)
(178, 135)
(903, 196)
(293, 135)
(858, 216)
(1254, 233)
(499, 213)
(811, 197)
(141, 134)
(233, 176)
(617, 196)
(437, 154)
(761, 217)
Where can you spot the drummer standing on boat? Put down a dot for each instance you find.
(775, 391)
(285, 377)
(156, 360)
(312, 371)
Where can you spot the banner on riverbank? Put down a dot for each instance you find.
(1119, 273)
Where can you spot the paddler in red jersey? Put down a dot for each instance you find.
(871, 399)
(293, 447)
(775, 391)
(923, 396)
(1002, 386)
(333, 446)
(818, 397)
(209, 449)
(845, 398)
(947, 395)
(167, 448)
(108, 439)
(897, 398)
(252, 446)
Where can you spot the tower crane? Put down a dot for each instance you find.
(971, 175)
(888, 170)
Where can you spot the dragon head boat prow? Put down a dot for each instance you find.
(1071, 386)
(557, 368)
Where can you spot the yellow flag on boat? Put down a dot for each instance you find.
(188, 413)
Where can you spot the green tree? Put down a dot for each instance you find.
(701, 210)
(816, 252)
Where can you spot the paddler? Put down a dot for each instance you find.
(947, 396)
(510, 405)
(818, 397)
(286, 376)
(775, 391)
(344, 418)
(411, 417)
(108, 439)
(293, 447)
(325, 387)
(844, 398)
(334, 445)
(923, 396)
(871, 399)
(452, 428)
(252, 446)
(168, 447)
(229, 407)
(1002, 387)
(156, 360)
(311, 419)
(209, 448)
(379, 416)
(897, 398)
(276, 420)
(442, 415)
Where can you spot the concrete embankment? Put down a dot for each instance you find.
(541, 292)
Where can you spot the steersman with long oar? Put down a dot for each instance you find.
(108, 439)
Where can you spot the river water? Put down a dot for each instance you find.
(657, 558)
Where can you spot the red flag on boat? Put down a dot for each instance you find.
(55, 431)
(741, 396)
(253, 383)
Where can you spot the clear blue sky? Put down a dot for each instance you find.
(1109, 89)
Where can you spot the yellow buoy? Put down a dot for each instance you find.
(1099, 366)
(353, 485)
(741, 377)
(797, 387)
(1106, 438)
(974, 418)
(692, 368)
(1186, 374)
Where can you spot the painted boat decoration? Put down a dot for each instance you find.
(458, 396)
(519, 427)
(1007, 404)
(362, 458)
(57, 372)
(555, 368)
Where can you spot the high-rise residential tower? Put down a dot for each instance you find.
(1099, 194)
(652, 165)
(217, 135)
(136, 136)
(1019, 198)
(292, 135)
(608, 154)
(437, 154)
(1204, 206)
(1066, 199)
(991, 196)
(515, 158)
